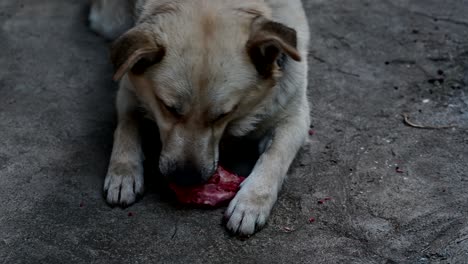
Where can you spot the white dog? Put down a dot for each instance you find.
(206, 71)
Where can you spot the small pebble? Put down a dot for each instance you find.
(436, 81)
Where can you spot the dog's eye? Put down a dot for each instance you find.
(173, 111)
(221, 117)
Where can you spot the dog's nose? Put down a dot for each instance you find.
(186, 176)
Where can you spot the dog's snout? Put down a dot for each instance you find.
(186, 176)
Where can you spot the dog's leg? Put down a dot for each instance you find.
(124, 180)
(111, 18)
(251, 206)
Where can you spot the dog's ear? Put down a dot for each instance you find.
(268, 40)
(135, 51)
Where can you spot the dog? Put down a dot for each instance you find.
(206, 71)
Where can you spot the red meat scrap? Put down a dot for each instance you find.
(322, 201)
(220, 189)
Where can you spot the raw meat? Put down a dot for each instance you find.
(220, 189)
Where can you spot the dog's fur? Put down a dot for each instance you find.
(207, 70)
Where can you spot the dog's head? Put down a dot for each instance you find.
(199, 73)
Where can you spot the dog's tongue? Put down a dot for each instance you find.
(220, 189)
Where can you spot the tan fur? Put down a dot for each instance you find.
(218, 76)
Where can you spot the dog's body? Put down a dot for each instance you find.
(208, 70)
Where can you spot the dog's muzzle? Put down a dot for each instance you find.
(187, 175)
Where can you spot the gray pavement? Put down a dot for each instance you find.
(371, 61)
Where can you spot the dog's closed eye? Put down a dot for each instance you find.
(220, 117)
(173, 111)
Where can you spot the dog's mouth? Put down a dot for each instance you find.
(188, 174)
(237, 159)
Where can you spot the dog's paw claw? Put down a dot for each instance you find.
(123, 187)
(247, 212)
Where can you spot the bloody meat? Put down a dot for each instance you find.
(219, 190)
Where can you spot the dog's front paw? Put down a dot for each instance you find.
(250, 208)
(123, 183)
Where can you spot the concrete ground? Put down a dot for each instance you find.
(371, 61)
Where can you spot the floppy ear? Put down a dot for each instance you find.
(268, 40)
(135, 51)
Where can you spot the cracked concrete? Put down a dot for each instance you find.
(371, 61)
